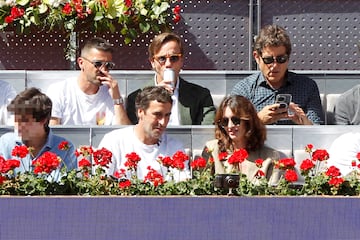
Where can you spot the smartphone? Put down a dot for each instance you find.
(284, 100)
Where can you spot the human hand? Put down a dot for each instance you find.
(297, 115)
(168, 85)
(108, 80)
(272, 113)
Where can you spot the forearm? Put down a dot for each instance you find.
(121, 117)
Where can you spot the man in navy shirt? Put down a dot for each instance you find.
(272, 52)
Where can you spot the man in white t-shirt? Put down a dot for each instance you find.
(8, 94)
(344, 151)
(93, 98)
(147, 137)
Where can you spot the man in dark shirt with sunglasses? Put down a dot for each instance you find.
(93, 98)
(271, 52)
(192, 104)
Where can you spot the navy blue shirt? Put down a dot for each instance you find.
(304, 91)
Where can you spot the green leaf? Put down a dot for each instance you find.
(22, 2)
(42, 8)
(144, 27)
(98, 16)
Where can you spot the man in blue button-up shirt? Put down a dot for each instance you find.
(32, 110)
(272, 52)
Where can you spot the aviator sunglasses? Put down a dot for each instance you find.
(278, 59)
(172, 57)
(225, 121)
(99, 64)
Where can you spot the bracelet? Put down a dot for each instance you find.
(118, 101)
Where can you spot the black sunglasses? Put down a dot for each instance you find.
(173, 58)
(99, 64)
(278, 59)
(225, 121)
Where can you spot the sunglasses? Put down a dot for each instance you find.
(278, 59)
(100, 64)
(173, 58)
(225, 121)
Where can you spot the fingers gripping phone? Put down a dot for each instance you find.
(284, 100)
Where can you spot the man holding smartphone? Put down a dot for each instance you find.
(272, 52)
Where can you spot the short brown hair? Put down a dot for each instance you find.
(152, 93)
(241, 107)
(272, 36)
(97, 43)
(32, 101)
(160, 40)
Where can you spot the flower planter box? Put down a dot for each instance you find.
(71, 217)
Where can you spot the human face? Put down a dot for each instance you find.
(273, 72)
(167, 49)
(27, 127)
(91, 72)
(154, 120)
(235, 131)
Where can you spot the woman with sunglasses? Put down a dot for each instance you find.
(238, 127)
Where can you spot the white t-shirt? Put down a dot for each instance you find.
(343, 151)
(124, 141)
(8, 93)
(74, 107)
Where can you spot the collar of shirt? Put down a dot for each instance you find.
(263, 82)
(46, 147)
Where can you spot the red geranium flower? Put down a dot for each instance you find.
(46, 163)
(290, 175)
(84, 151)
(358, 156)
(198, 163)
(285, 163)
(2, 179)
(259, 162)
(6, 166)
(179, 159)
(64, 145)
(154, 177)
(333, 172)
(223, 156)
(259, 174)
(132, 160)
(124, 183)
(309, 148)
(20, 151)
(336, 181)
(84, 163)
(320, 155)
(238, 156)
(102, 157)
(307, 165)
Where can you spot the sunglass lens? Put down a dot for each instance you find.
(109, 65)
(236, 121)
(98, 64)
(224, 122)
(281, 59)
(268, 60)
(174, 59)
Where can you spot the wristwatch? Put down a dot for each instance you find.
(118, 101)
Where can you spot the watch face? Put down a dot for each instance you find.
(118, 101)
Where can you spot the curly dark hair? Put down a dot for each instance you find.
(255, 130)
(272, 36)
